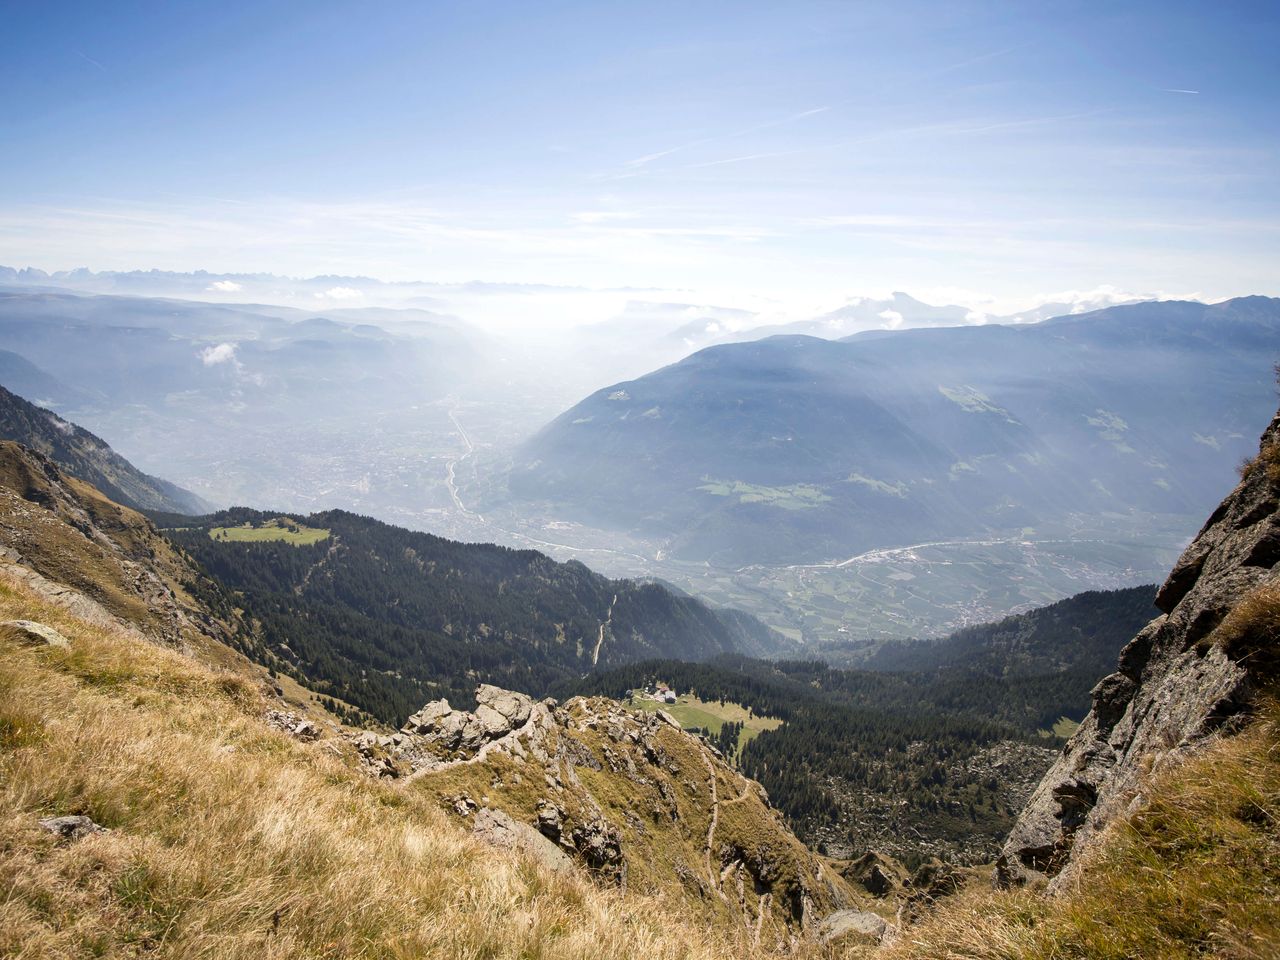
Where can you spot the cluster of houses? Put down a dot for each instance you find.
(659, 692)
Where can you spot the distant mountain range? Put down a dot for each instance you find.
(85, 456)
(796, 448)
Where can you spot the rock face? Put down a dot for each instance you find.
(1177, 684)
(496, 828)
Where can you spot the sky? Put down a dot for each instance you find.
(981, 153)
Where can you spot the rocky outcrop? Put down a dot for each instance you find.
(626, 796)
(496, 828)
(876, 873)
(72, 828)
(498, 712)
(1179, 683)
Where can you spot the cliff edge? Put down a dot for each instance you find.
(1191, 675)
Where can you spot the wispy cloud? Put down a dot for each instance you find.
(749, 156)
(1177, 90)
(224, 286)
(91, 61)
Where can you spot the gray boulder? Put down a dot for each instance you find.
(72, 828)
(428, 717)
(498, 829)
(34, 634)
(861, 924)
(513, 707)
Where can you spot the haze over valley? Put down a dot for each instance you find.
(902, 480)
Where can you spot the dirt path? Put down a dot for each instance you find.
(306, 580)
(715, 822)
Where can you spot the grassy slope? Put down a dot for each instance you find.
(231, 840)
(689, 711)
(299, 535)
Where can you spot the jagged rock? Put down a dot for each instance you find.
(498, 713)
(495, 827)
(1176, 685)
(861, 924)
(428, 717)
(598, 842)
(934, 880)
(72, 828)
(550, 820)
(34, 634)
(513, 707)
(305, 730)
(877, 874)
(669, 719)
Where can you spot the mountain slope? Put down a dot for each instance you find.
(107, 562)
(90, 459)
(386, 618)
(137, 749)
(227, 837)
(248, 402)
(1081, 632)
(795, 448)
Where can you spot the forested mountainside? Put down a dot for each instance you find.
(386, 619)
(1081, 633)
(801, 449)
(914, 764)
(89, 458)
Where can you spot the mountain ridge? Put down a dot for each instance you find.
(794, 449)
(89, 458)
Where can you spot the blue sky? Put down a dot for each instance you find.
(986, 153)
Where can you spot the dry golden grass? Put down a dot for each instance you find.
(230, 840)
(1251, 630)
(1268, 459)
(1195, 873)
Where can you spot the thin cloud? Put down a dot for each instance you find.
(92, 61)
(224, 286)
(755, 128)
(749, 156)
(340, 293)
(1177, 90)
